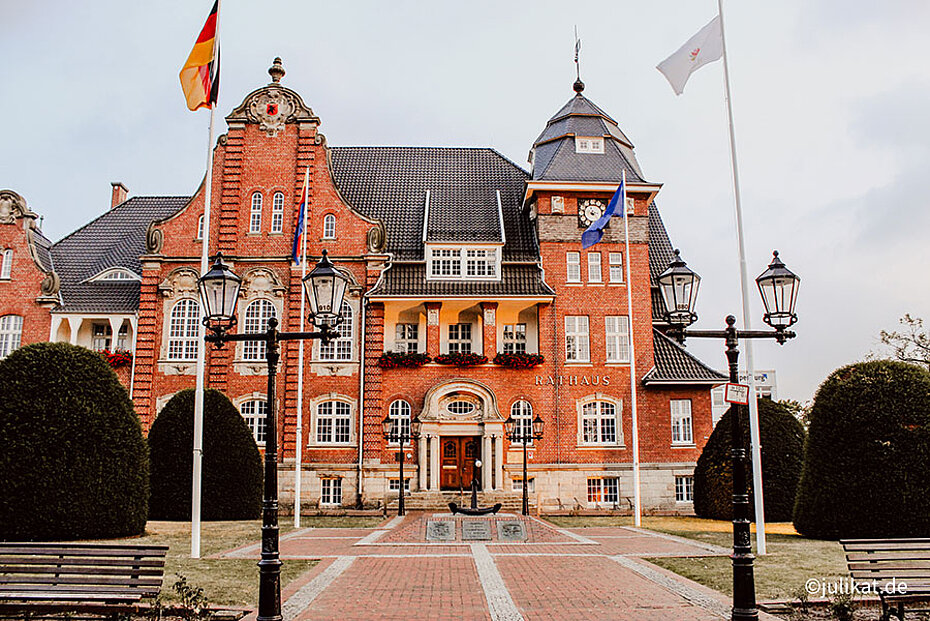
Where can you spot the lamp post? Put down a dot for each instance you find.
(219, 289)
(524, 433)
(779, 289)
(395, 431)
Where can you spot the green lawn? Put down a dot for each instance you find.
(228, 582)
(780, 574)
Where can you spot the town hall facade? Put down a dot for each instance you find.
(449, 252)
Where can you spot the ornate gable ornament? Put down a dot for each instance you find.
(261, 280)
(180, 283)
(13, 207)
(273, 106)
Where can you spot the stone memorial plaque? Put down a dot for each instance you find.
(514, 530)
(476, 530)
(440, 530)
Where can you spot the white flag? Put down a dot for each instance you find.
(704, 47)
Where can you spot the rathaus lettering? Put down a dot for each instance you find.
(573, 380)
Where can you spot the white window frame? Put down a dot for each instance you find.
(522, 412)
(463, 263)
(340, 349)
(400, 414)
(255, 321)
(394, 485)
(11, 334)
(183, 330)
(682, 422)
(255, 411)
(513, 338)
(599, 419)
(603, 491)
(332, 423)
(615, 267)
(255, 213)
(331, 491)
(407, 337)
(589, 144)
(329, 226)
(617, 338)
(577, 341)
(460, 335)
(517, 484)
(594, 267)
(277, 213)
(684, 488)
(572, 267)
(6, 269)
(200, 227)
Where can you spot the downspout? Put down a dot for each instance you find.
(361, 397)
(558, 377)
(132, 371)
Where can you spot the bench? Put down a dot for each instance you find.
(897, 569)
(96, 578)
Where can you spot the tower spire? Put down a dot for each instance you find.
(578, 85)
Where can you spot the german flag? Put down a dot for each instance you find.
(200, 76)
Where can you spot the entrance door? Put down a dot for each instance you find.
(458, 462)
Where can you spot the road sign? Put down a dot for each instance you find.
(736, 393)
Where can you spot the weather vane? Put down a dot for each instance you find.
(579, 85)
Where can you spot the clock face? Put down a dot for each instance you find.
(589, 210)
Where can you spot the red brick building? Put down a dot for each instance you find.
(448, 251)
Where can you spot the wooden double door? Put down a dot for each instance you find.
(457, 461)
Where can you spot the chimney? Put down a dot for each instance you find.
(120, 193)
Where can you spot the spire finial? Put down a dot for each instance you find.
(578, 85)
(276, 71)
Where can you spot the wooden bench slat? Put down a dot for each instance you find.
(897, 555)
(79, 570)
(899, 573)
(74, 596)
(904, 544)
(83, 551)
(89, 579)
(109, 562)
(74, 588)
(80, 546)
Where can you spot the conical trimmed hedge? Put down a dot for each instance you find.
(232, 467)
(73, 462)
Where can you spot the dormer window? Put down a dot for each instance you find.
(115, 274)
(463, 263)
(589, 144)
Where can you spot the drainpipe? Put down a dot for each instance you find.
(361, 397)
(135, 342)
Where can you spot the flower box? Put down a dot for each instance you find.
(118, 358)
(461, 360)
(404, 360)
(519, 360)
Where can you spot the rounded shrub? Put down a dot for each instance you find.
(867, 461)
(231, 487)
(73, 462)
(782, 437)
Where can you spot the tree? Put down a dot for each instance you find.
(232, 467)
(782, 436)
(867, 462)
(73, 462)
(912, 344)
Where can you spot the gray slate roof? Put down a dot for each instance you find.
(390, 184)
(409, 280)
(675, 365)
(115, 239)
(43, 250)
(554, 150)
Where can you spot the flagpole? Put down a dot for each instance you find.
(300, 356)
(637, 500)
(744, 280)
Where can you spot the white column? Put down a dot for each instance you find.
(115, 324)
(75, 324)
(499, 466)
(421, 461)
(53, 333)
(486, 463)
(434, 464)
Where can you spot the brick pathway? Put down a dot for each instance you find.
(391, 572)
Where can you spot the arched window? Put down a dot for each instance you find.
(183, 330)
(600, 424)
(11, 334)
(399, 412)
(255, 217)
(200, 227)
(522, 413)
(6, 268)
(257, 315)
(340, 348)
(277, 213)
(333, 422)
(329, 226)
(254, 413)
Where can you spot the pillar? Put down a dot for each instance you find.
(432, 328)
(421, 462)
(489, 327)
(499, 465)
(487, 463)
(434, 464)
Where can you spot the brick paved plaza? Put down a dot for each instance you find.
(393, 572)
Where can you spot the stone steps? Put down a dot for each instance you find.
(439, 501)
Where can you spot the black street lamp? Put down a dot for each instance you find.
(524, 434)
(219, 289)
(779, 289)
(395, 431)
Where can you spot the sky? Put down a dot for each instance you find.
(830, 102)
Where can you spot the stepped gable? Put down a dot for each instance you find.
(115, 239)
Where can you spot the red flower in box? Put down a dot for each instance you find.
(461, 360)
(405, 360)
(118, 358)
(519, 360)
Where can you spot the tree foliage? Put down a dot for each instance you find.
(782, 437)
(73, 462)
(867, 461)
(231, 467)
(911, 344)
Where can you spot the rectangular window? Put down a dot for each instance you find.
(684, 489)
(681, 421)
(277, 213)
(594, 267)
(599, 423)
(576, 339)
(255, 214)
(393, 485)
(515, 338)
(254, 412)
(530, 485)
(603, 491)
(616, 267)
(618, 338)
(460, 338)
(446, 263)
(333, 423)
(589, 144)
(406, 337)
(481, 263)
(331, 492)
(102, 334)
(572, 267)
